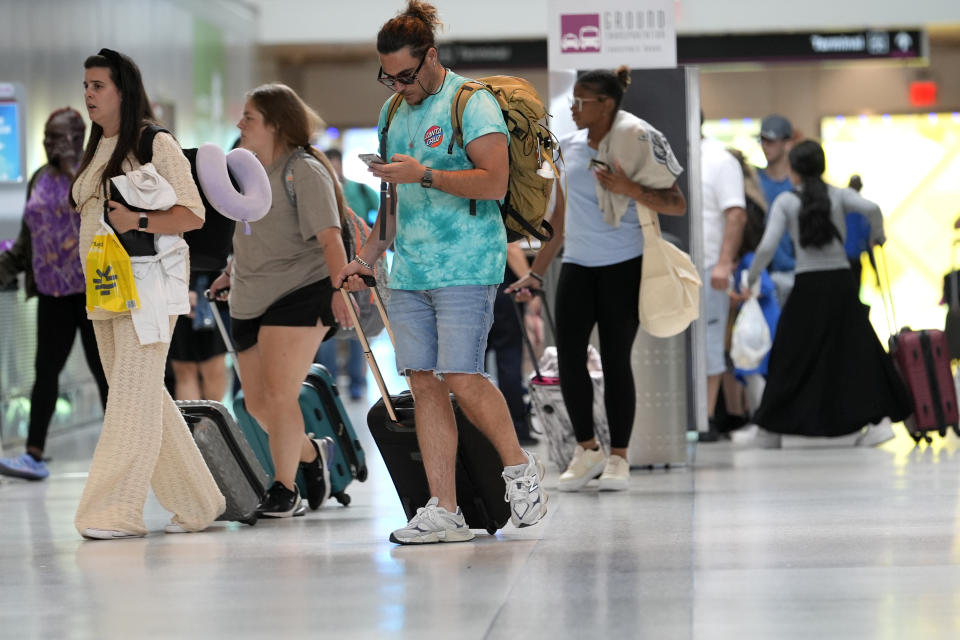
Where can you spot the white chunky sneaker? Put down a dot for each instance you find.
(585, 465)
(433, 523)
(616, 475)
(528, 500)
(875, 434)
(108, 534)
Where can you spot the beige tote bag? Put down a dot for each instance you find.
(670, 283)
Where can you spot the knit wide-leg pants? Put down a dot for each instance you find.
(144, 442)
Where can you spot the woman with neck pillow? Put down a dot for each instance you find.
(282, 303)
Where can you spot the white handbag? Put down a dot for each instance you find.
(669, 285)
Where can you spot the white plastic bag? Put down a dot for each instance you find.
(751, 336)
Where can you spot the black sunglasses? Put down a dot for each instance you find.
(406, 78)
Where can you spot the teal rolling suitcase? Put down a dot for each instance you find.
(323, 415)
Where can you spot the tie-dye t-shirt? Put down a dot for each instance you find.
(55, 232)
(438, 243)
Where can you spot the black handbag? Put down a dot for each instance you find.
(135, 242)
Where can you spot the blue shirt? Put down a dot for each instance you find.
(858, 235)
(438, 243)
(784, 258)
(588, 240)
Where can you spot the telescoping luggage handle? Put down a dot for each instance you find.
(218, 319)
(371, 282)
(886, 293)
(523, 329)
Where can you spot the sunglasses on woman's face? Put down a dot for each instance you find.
(577, 102)
(405, 78)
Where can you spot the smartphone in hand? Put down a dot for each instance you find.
(371, 159)
(598, 165)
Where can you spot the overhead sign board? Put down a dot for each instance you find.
(900, 44)
(640, 34)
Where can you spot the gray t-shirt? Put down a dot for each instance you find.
(282, 252)
(784, 216)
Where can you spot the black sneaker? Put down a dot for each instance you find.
(316, 474)
(280, 502)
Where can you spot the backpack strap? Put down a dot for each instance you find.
(457, 107)
(395, 103)
(466, 91)
(290, 189)
(388, 204)
(145, 146)
(288, 185)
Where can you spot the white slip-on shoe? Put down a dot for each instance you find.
(585, 465)
(616, 475)
(875, 434)
(108, 534)
(755, 437)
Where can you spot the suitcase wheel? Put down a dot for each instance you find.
(342, 498)
(491, 530)
(362, 473)
(956, 429)
(928, 439)
(916, 437)
(943, 432)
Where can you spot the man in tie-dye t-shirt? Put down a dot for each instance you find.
(446, 268)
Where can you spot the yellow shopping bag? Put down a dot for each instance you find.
(110, 284)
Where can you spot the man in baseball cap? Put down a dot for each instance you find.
(776, 133)
(775, 127)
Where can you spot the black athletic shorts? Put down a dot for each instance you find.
(299, 308)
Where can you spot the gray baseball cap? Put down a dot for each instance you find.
(775, 127)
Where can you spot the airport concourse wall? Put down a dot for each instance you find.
(197, 60)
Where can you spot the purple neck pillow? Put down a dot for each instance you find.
(247, 204)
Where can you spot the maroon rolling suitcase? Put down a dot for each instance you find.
(923, 359)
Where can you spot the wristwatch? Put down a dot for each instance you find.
(427, 180)
(142, 222)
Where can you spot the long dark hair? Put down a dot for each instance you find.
(295, 123)
(135, 113)
(415, 27)
(607, 83)
(808, 161)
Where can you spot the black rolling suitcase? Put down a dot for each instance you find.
(231, 461)
(480, 487)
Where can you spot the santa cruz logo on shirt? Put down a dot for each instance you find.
(433, 137)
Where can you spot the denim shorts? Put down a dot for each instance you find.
(442, 330)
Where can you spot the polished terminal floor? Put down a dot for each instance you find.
(817, 540)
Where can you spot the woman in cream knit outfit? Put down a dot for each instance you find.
(145, 441)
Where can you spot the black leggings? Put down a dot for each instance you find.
(57, 322)
(606, 297)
